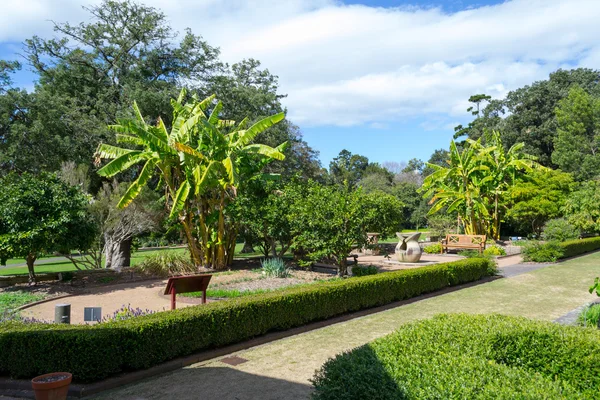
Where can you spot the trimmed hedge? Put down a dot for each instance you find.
(96, 352)
(468, 357)
(576, 247)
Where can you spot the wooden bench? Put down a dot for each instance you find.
(476, 242)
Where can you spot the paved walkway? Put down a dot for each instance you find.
(282, 369)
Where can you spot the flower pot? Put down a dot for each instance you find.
(54, 386)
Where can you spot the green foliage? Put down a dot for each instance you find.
(9, 300)
(468, 357)
(348, 168)
(274, 268)
(542, 252)
(595, 287)
(41, 214)
(494, 250)
(435, 248)
(559, 230)
(441, 225)
(202, 162)
(576, 143)
(589, 316)
(536, 198)
(166, 263)
(528, 114)
(331, 220)
(582, 207)
(472, 254)
(364, 271)
(96, 352)
(572, 248)
(476, 182)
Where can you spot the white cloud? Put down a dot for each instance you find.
(348, 65)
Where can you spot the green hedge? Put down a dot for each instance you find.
(468, 357)
(96, 352)
(576, 247)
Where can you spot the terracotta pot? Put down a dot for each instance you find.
(54, 386)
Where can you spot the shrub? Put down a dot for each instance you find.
(363, 271)
(576, 247)
(559, 230)
(97, 351)
(166, 263)
(471, 254)
(435, 248)
(468, 357)
(590, 315)
(127, 312)
(542, 252)
(494, 250)
(275, 268)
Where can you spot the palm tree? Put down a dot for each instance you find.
(458, 186)
(475, 181)
(504, 166)
(200, 162)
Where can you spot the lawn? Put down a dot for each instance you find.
(64, 266)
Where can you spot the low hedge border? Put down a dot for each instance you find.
(572, 248)
(468, 357)
(96, 352)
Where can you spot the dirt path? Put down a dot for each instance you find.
(282, 369)
(144, 295)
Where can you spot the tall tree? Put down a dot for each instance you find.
(348, 167)
(92, 71)
(577, 143)
(528, 115)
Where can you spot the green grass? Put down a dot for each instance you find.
(65, 266)
(12, 299)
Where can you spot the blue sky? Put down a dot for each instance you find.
(387, 79)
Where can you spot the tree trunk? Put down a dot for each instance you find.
(343, 268)
(248, 246)
(117, 253)
(273, 248)
(30, 260)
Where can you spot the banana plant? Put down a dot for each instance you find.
(200, 161)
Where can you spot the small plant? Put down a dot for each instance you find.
(559, 230)
(363, 271)
(542, 252)
(472, 254)
(67, 276)
(435, 248)
(590, 315)
(107, 279)
(127, 312)
(494, 250)
(166, 263)
(275, 268)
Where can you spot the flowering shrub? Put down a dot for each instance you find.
(127, 312)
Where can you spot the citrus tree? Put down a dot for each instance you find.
(42, 215)
(201, 161)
